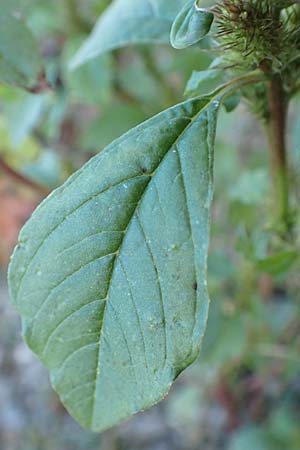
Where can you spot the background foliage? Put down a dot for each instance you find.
(244, 391)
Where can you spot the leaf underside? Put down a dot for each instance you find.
(109, 275)
(127, 22)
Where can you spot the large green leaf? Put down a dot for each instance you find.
(15, 7)
(20, 61)
(109, 274)
(128, 22)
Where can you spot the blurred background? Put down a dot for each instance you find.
(243, 393)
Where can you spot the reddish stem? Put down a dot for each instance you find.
(9, 171)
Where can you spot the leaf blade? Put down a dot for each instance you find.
(138, 299)
(20, 61)
(129, 22)
(190, 26)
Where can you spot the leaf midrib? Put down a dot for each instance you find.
(43, 241)
(191, 119)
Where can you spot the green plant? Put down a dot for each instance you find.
(109, 274)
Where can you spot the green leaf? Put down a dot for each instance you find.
(203, 81)
(92, 82)
(13, 6)
(250, 187)
(109, 275)
(190, 26)
(20, 61)
(127, 22)
(278, 263)
(25, 114)
(47, 170)
(232, 102)
(112, 123)
(250, 438)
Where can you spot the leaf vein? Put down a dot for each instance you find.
(44, 303)
(76, 388)
(159, 285)
(66, 318)
(44, 240)
(72, 354)
(136, 312)
(89, 237)
(191, 228)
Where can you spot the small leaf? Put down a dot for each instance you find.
(24, 115)
(206, 81)
(113, 122)
(232, 102)
(11, 7)
(190, 26)
(109, 275)
(20, 61)
(92, 82)
(203, 81)
(127, 22)
(278, 263)
(250, 438)
(250, 187)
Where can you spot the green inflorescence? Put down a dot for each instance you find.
(260, 34)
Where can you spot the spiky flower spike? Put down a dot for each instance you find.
(265, 35)
(261, 34)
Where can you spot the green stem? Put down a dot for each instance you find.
(276, 131)
(232, 86)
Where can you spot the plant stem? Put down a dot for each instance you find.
(7, 170)
(232, 86)
(276, 131)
